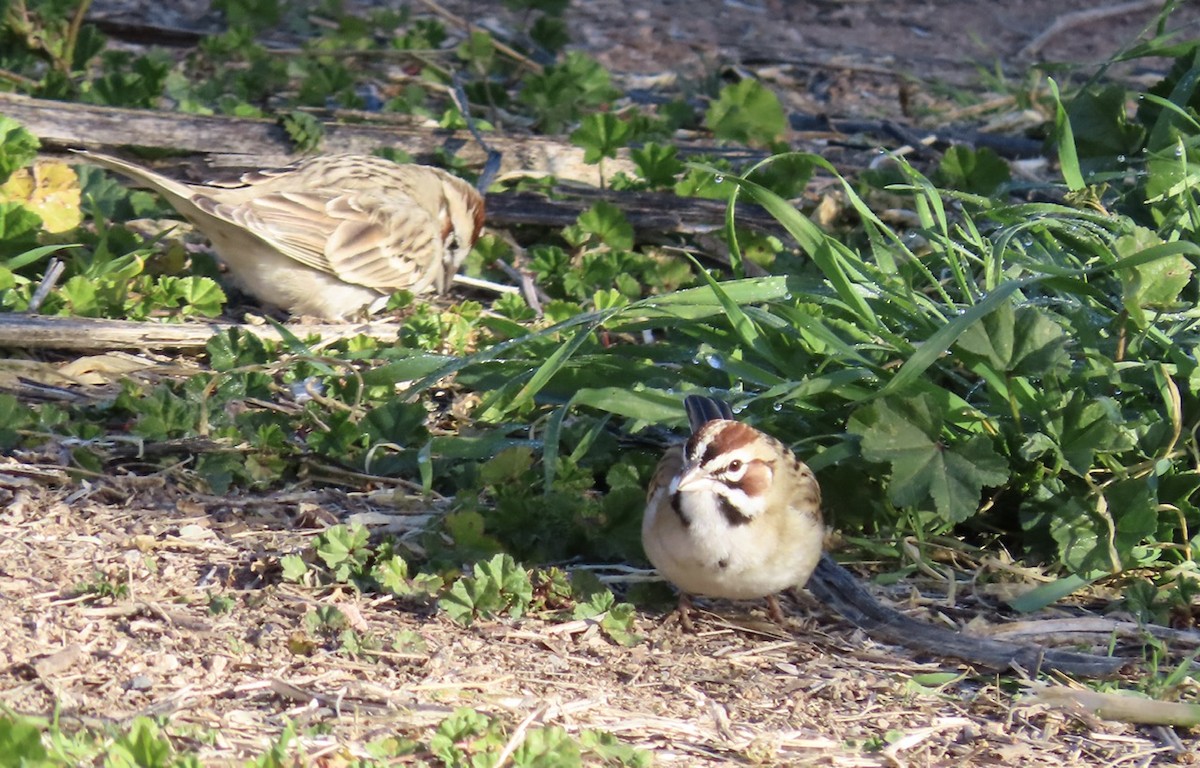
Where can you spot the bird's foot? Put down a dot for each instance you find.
(775, 611)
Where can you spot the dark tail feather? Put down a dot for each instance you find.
(701, 410)
(840, 590)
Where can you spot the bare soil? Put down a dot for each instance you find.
(858, 58)
(739, 691)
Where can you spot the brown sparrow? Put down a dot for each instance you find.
(327, 236)
(734, 514)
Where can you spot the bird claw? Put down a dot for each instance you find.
(775, 611)
(684, 611)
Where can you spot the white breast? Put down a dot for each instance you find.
(713, 558)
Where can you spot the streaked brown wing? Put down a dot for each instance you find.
(397, 246)
(669, 465)
(359, 237)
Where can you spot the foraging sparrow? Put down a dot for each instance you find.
(734, 514)
(332, 234)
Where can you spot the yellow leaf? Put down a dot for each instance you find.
(50, 189)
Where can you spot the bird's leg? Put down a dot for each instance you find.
(685, 613)
(775, 611)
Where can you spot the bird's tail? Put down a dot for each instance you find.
(179, 196)
(702, 409)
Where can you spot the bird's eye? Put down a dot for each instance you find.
(735, 465)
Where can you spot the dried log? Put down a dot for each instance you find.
(241, 142)
(247, 142)
(19, 331)
(244, 142)
(843, 592)
(648, 212)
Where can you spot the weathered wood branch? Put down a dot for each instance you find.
(244, 142)
(20, 331)
(648, 212)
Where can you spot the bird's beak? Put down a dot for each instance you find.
(691, 479)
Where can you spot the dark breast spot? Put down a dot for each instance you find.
(731, 513)
(675, 505)
(722, 563)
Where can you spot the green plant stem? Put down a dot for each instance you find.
(73, 37)
(1012, 400)
(19, 80)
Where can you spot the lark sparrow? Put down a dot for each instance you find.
(332, 234)
(734, 514)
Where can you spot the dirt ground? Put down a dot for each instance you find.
(740, 691)
(853, 58)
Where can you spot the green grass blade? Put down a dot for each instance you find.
(690, 304)
(1179, 111)
(1065, 138)
(743, 326)
(404, 369)
(1048, 594)
(941, 341)
(653, 406)
(937, 344)
(36, 254)
(550, 444)
(826, 252)
(736, 264)
(546, 370)
(1147, 255)
(751, 290)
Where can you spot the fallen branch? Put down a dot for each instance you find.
(647, 212)
(1079, 18)
(18, 331)
(840, 590)
(1124, 707)
(255, 142)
